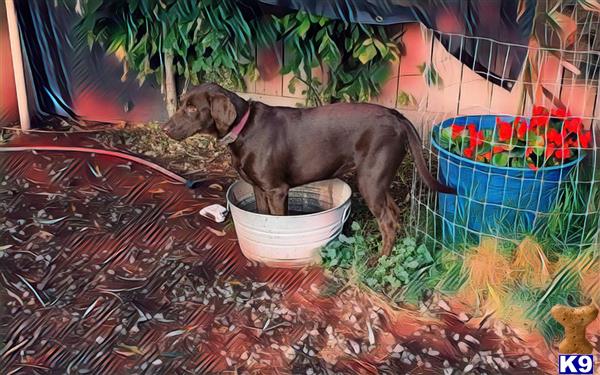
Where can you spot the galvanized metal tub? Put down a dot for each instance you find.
(295, 240)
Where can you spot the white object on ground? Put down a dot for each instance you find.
(214, 212)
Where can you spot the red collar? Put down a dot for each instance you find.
(237, 129)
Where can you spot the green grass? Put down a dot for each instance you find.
(563, 290)
(572, 225)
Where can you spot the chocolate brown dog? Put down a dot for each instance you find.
(277, 148)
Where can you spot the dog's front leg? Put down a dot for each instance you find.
(262, 204)
(278, 200)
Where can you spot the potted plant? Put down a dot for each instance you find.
(507, 170)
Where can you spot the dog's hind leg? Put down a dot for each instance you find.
(277, 199)
(262, 204)
(374, 179)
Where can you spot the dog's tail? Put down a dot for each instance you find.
(414, 144)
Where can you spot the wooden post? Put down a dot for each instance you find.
(170, 87)
(17, 61)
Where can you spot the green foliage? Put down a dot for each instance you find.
(355, 57)
(408, 264)
(206, 37)
(212, 39)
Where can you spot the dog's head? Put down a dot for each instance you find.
(206, 110)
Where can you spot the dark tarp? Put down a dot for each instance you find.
(44, 61)
(67, 79)
(469, 30)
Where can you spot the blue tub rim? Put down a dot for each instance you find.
(449, 154)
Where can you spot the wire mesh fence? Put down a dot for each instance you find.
(533, 189)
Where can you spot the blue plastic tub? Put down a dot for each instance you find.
(502, 201)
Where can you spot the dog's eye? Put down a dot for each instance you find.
(191, 109)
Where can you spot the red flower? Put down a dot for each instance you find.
(497, 149)
(532, 166)
(555, 137)
(505, 130)
(562, 153)
(487, 155)
(560, 113)
(571, 142)
(521, 126)
(468, 152)
(549, 150)
(472, 129)
(538, 110)
(476, 137)
(572, 125)
(585, 138)
(540, 117)
(539, 122)
(456, 130)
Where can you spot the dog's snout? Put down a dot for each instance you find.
(168, 126)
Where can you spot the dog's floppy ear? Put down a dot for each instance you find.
(223, 112)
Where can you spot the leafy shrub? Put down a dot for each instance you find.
(216, 40)
(407, 262)
(356, 57)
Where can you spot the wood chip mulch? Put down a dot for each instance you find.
(107, 268)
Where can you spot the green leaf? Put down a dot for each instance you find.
(355, 226)
(535, 139)
(380, 74)
(343, 239)
(405, 99)
(432, 78)
(366, 53)
(517, 162)
(383, 50)
(303, 28)
(445, 137)
(500, 159)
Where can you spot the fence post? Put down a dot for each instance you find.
(17, 61)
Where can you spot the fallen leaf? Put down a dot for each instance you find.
(218, 233)
(132, 348)
(52, 221)
(175, 333)
(185, 211)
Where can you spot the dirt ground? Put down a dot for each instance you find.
(109, 269)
